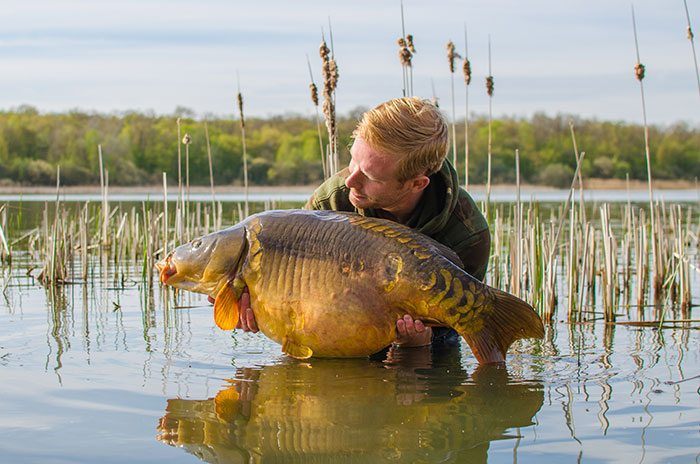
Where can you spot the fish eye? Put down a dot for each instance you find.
(196, 243)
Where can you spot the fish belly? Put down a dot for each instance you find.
(337, 322)
(321, 289)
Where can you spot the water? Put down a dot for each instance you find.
(106, 373)
(498, 195)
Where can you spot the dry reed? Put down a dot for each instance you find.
(467, 73)
(314, 100)
(691, 38)
(245, 152)
(330, 82)
(489, 91)
(639, 71)
(452, 55)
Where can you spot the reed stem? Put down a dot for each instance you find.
(691, 38)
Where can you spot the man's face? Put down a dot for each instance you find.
(373, 179)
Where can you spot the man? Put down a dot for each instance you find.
(399, 171)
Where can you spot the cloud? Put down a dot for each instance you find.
(572, 56)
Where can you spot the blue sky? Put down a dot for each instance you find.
(565, 56)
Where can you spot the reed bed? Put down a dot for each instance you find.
(567, 267)
(602, 268)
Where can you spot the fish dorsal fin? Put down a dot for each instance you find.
(296, 350)
(226, 308)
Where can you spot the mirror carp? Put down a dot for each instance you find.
(333, 284)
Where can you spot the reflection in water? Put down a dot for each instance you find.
(58, 327)
(414, 406)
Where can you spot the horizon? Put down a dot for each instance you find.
(189, 113)
(153, 57)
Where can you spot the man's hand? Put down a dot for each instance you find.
(412, 333)
(246, 318)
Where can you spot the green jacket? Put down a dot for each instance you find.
(446, 212)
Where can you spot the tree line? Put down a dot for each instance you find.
(285, 150)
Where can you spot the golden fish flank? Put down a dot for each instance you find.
(307, 270)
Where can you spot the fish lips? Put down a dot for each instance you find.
(167, 269)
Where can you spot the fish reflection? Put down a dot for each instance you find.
(414, 406)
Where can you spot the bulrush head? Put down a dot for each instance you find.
(452, 55)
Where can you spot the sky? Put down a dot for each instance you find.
(566, 56)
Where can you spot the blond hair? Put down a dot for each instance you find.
(409, 128)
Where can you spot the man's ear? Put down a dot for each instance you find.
(419, 183)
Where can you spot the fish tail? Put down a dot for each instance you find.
(493, 326)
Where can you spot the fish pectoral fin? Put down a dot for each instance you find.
(227, 403)
(296, 350)
(226, 308)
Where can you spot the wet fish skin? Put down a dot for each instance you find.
(332, 284)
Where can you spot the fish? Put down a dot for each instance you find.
(333, 284)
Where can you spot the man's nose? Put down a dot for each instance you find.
(352, 181)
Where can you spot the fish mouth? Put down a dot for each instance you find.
(167, 269)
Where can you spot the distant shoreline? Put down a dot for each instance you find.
(589, 184)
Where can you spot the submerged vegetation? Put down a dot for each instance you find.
(283, 150)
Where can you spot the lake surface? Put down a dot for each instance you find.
(114, 372)
(499, 195)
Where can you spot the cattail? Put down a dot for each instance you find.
(489, 86)
(489, 90)
(245, 152)
(178, 208)
(690, 36)
(314, 99)
(186, 140)
(330, 73)
(334, 75)
(240, 108)
(467, 71)
(405, 56)
(314, 93)
(452, 55)
(324, 51)
(406, 51)
(409, 43)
